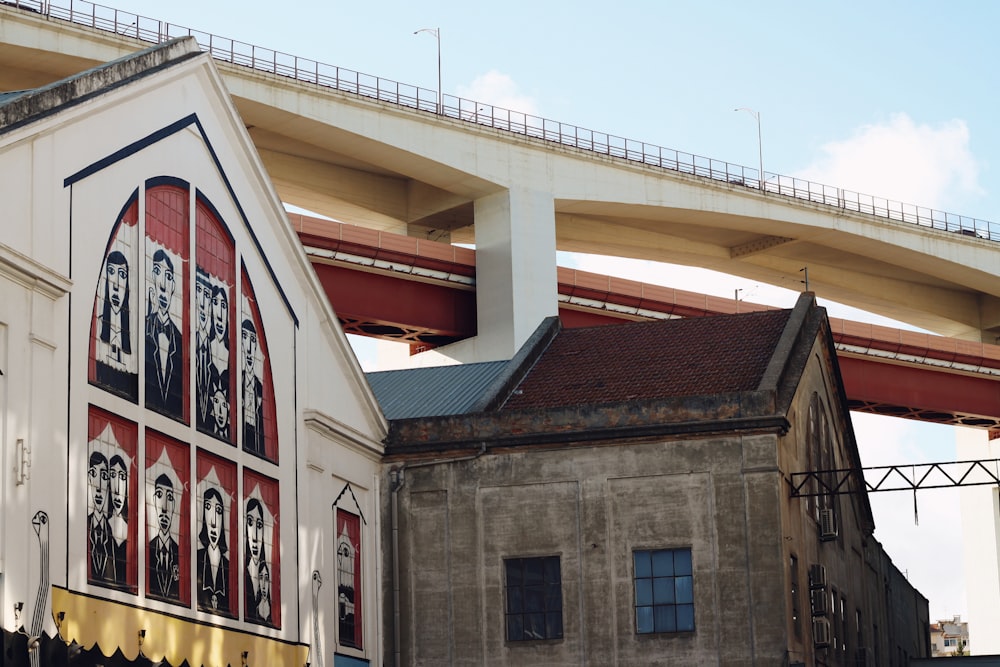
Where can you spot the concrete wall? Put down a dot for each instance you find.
(726, 497)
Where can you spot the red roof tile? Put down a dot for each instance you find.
(698, 356)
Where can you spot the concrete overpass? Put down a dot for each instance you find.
(423, 293)
(381, 154)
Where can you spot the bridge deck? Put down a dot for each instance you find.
(422, 292)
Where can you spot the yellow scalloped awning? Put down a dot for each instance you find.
(110, 625)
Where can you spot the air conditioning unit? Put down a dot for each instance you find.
(864, 657)
(821, 632)
(827, 525)
(817, 576)
(818, 601)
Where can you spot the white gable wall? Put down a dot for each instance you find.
(52, 246)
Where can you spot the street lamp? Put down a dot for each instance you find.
(760, 150)
(437, 35)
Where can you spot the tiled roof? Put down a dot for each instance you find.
(433, 392)
(649, 360)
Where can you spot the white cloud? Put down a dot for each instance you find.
(903, 161)
(500, 90)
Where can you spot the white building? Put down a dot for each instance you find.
(165, 346)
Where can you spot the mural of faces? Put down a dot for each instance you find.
(164, 344)
(261, 593)
(109, 468)
(213, 559)
(167, 561)
(253, 392)
(115, 364)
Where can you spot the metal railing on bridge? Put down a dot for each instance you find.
(127, 24)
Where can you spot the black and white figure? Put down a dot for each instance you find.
(100, 550)
(213, 559)
(219, 346)
(163, 555)
(253, 393)
(203, 364)
(118, 520)
(256, 564)
(164, 351)
(264, 597)
(220, 328)
(115, 363)
(220, 407)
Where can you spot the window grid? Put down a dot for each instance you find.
(534, 598)
(664, 591)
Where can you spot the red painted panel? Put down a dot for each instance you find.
(919, 388)
(375, 297)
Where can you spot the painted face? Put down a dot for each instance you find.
(255, 532)
(117, 279)
(163, 501)
(97, 481)
(119, 487)
(213, 520)
(203, 295)
(249, 349)
(163, 280)
(220, 410)
(265, 583)
(220, 313)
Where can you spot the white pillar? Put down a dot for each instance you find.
(515, 269)
(515, 276)
(981, 545)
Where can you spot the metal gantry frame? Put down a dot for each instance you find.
(909, 477)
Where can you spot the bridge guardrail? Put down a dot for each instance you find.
(101, 17)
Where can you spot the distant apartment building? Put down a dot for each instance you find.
(950, 638)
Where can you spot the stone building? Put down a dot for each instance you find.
(195, 451)
(623, 495)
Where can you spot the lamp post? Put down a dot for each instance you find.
(760, 150)
(437, 35)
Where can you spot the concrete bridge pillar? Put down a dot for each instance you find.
(515, 268)
(515, 273)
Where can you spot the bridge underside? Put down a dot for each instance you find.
(399, 289)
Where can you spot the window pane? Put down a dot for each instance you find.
(553, 598)
(665, 618)
(664, 599)
(553, 625)
(513, 568)
(684, 592)
(663, 590)
(682, 561)
(534, 626)
(515, 601)
(643, 592)
(533, 571)
(552, 570)
(663, 563)
(643, 568)
(644, 619)
(534, 598)
(515, 628)
(685, 617)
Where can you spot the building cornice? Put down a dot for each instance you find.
(32, 274)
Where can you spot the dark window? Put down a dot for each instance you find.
(534, 598)
(664, 591)
(796, 608)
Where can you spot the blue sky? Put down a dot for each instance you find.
(896, 99)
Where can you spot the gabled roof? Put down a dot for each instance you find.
(650, 360)
(21, 107)
(724, 373)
